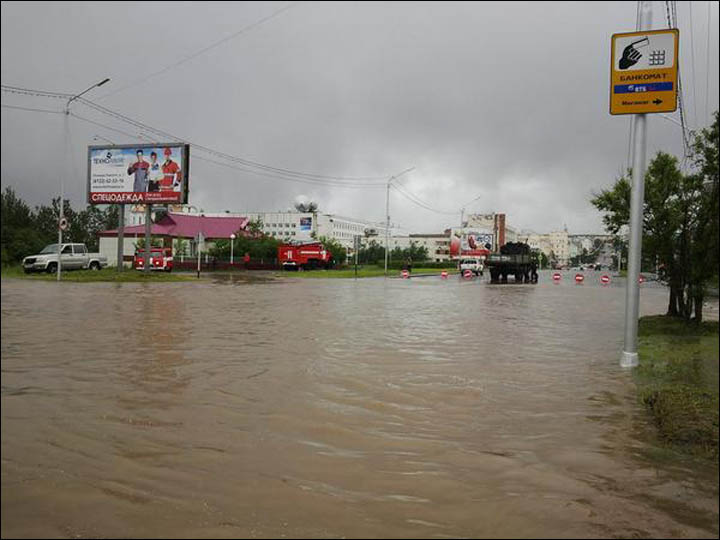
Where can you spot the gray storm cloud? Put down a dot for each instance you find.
(507, 102)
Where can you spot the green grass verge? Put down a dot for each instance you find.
(364, 272)
(678, 382)
(106, 274)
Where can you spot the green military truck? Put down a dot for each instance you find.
(515, 259)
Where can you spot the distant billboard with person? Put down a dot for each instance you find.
(470, 242)
(137, 174)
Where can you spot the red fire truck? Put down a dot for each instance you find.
(304, 256)
(160, 259)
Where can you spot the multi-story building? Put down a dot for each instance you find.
(304, 226)
(437, 245)
(555, 245)
(289, 226)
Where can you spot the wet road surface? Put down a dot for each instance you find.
(325, 408)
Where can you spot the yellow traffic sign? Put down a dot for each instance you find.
(644, 72)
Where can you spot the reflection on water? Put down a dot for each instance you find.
(326, 408)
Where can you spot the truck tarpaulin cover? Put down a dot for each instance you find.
(154, 173)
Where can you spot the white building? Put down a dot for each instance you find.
(303, 226)
(437, 245)
(555, 245)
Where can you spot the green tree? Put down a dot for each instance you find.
(18, 234)
(679, 222)
(704, 250)
(544, 262)
(338, 251)
(255, 226)
(371, 253)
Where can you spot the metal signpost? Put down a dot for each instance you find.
(148, 237)
(200, 240)
(643, 79)
(121, 237)
(356, 248)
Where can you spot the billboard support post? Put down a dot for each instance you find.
(148, 215)
(121, 237)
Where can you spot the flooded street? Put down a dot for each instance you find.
(333, 408)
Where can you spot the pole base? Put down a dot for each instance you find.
(628, 359)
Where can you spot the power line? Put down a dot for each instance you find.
(229, 157)
(692, 56)
(415, 200)
(243, 169)
(259, 173)
(671, 12)
(707, 65)
(104, 126)
(32, 109)
(201, 51)
(32, 92)
(248, 163)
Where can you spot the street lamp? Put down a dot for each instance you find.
(232, 245)
(462, 210)
(387, 212)
(62, 180)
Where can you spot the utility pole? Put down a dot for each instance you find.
(387, 215)
(121, 237)
(356, 245)
(629, 356)
(387, 223)
(62, 177)
(148, 238)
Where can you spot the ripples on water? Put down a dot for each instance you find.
(384, 408)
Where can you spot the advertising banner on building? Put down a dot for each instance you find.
(149, 173)
(470, 242)
(305, 223)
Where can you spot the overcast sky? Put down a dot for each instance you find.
(503, 101)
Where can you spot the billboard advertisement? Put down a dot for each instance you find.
(470, 242)
(305, 223)
(137, 174)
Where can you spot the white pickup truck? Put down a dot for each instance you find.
(73, 257)
(474, 264)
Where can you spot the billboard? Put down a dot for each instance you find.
(305, 223)
(137, 174)
(470, 242)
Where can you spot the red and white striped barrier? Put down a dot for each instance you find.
(467, 274)
(579, 278)
(444, 274)
(556, 277)
(641, 279)
(604, 279)
(405, 274)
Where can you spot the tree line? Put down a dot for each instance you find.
(680, 228)
(25, 230)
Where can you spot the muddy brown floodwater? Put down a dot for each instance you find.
(332, 408)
